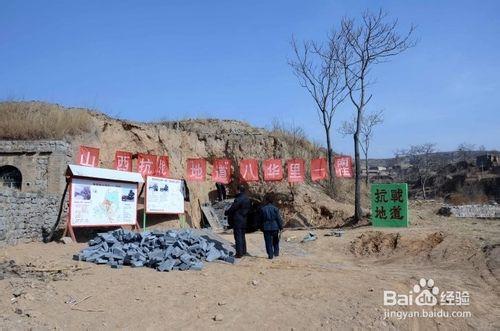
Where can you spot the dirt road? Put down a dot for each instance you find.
(329, 283)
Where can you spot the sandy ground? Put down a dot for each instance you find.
(329, 283)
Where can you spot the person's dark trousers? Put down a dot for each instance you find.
(224, 194)
(272, 240)
(240, 241)
(221, 191)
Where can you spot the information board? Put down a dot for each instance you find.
(164, 196)
(102, 203)
(389, 205)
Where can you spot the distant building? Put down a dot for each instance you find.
(376, 172)
(488, 160)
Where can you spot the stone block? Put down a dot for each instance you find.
(136, 264)
(197, 265)
(213, 255)
(183, 266)
(166, 265)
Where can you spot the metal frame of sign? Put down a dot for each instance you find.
(70, 174)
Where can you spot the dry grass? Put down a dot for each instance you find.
(297, 143)
(35, 120)
(458, 199)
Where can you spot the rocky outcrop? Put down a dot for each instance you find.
(304, 205)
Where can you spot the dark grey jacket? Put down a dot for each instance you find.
(238, 212)
(271, 218)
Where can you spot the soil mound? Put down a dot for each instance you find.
(377, 243)
(492, 255)
(374, 243)
(421, 246)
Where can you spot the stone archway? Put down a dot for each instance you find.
(11, 177)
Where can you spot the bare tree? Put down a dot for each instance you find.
(319, 72)
(368, 124)
(464, 150)
(425, 163)
(359, 46)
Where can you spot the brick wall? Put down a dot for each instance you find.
(42, 163)
(25, 213)
(23, 216)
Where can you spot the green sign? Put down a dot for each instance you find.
(390, 205)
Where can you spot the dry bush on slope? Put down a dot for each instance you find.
(298, 145)
(34, 120)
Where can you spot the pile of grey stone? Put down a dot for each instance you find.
(162, 250)
(220, 207)
(471, 211)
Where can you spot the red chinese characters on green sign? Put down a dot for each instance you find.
(389, 205)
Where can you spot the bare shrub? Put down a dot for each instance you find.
(297, 143)
(34, 120)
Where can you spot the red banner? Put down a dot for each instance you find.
(88, 156)
(273, 170)
(123, 161)
(196, 170)
(163, 167)
(221, 172)
(319, 169)
(296, 170)
(343, 167)
(249, 170)
(146, 164)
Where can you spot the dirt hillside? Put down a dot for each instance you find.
(304, 205)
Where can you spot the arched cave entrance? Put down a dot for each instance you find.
(11, 177)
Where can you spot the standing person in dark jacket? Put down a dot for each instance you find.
(221, 191)
(272, 224)
(237, 216)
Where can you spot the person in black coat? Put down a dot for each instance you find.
(221, 191)
(237, 217)
(272, 224)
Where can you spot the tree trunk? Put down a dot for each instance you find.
(423, 188)
(329, 157)
(366, 169)
(358, 213)
(329, 152)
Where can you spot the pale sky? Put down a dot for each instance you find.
(151, 60)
